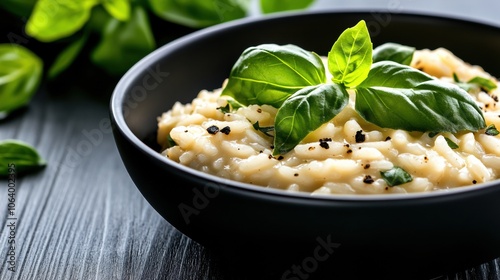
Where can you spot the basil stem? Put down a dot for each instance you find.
(304, 112)
(269, 74)
(24, 156)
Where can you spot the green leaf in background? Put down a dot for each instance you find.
(24, 156)
(396, 176)
(119, 9)
(55, 19)
(66, 57)
(199, 13)
(350, 58)
(412, 103)
(20, 74)
(124, 43)
(393, 52)
(305, 111)
(21, 8)
(272, 6)
(269, 74)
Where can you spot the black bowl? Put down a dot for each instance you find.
(296, 234)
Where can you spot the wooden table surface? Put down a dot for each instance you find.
(83, 218)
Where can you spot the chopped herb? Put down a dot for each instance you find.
(263, 129)
(213, 129)
(170, 141)
(452, 144)
(396, 176)
(226, 109)
(491, 130)
(432, 134)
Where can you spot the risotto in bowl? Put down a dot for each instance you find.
(265, 139)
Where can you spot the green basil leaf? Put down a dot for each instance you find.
(263, 129)
(124, 43)
(491, 130)
(272, 6)
(199, 13)
(305, 111)
(393, 52)
(412, 103)
(20, 75)
(350, 58)
(24, 156)
(269, 74)
(396, 176)
(451, 144)
(119, 9)
(394, 75)
(52, 20)
(67, 56)
(487, 84)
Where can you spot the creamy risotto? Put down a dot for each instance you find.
(343, 156)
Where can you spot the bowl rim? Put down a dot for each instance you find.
(118, 95)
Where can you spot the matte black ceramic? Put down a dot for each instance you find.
(416, 235)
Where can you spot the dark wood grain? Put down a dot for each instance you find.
(82, 217)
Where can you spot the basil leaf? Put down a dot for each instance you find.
(199, 13)
(24, 156)
(394, 75)
(305, 111)
(264, 129)
(269, 74)
(412, 103)
(396, 176)
(272, 6)
(119, 9)
(350, 58)
(20, 75)
(52, 20)
(67, 56)
(393, 52)
(124, 43)
(487, 84)
(491, 130)
(451, 144)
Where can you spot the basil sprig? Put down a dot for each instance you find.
(389, 93)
